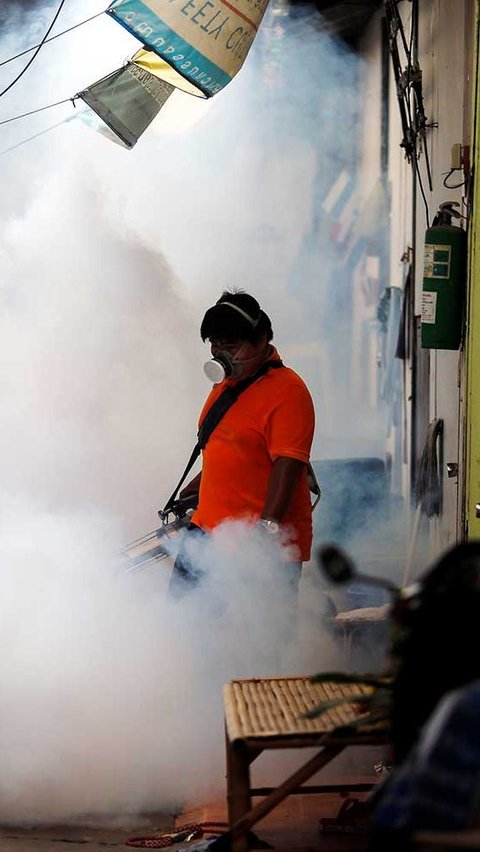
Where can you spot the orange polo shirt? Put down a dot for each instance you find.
(274, 417)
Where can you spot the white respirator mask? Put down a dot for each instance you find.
(221, 366)
(224, 365)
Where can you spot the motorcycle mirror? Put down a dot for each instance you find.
(339, 568)
(336, 565)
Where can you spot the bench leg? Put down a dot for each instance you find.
(249, 819)
(239, 800)
(238, 788)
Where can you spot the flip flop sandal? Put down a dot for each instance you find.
(352, 818)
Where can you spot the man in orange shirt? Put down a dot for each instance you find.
(254, 465)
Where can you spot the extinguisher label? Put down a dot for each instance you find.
(437, 261)
(429, 307)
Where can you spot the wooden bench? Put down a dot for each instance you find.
(267, 713)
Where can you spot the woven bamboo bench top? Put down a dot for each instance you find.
(273, 708)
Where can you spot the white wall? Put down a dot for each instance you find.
(445, 32)
(442, 47)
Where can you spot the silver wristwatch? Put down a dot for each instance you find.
(272, 527)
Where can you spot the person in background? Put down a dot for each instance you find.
(255, 463)
(434, 785)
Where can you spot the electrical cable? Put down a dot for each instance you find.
(453, 185)
(35, 136)
(425, 149)
(410, 142)
(394, 55)
(40, 109)
(398, 23)
(414, 130)
(417, 90)
(37, 50)
(416, 85)
(422, 190)
(52, 38)
(406, 90)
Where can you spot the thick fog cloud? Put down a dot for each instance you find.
(111, 695)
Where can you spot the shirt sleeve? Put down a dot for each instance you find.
(291, 423)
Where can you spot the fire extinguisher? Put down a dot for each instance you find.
(444, 281)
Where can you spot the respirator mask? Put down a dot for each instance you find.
(223, 364)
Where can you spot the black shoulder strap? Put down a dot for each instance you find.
(213, 417)
(226, 400)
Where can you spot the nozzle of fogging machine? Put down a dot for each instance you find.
(335, 563)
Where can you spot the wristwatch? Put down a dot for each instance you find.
(269, 526)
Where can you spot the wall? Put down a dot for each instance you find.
(442, 56)
(472, 431)
(433, 380)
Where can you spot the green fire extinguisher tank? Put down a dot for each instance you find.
(444, 280)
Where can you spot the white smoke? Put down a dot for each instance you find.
(96, 376)
(110, 695)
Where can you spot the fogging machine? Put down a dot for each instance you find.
(154, 546)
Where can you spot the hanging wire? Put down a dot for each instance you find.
(413, 130)
(37, 50)
(40, 109)
(453, 185)
(416, 86)
(35, 136)
(52, 38)
(422, 190)
(412, 133)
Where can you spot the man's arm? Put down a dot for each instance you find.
(192, 487)
(283, 481)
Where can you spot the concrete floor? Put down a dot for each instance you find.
(94, 836)
(294, 825)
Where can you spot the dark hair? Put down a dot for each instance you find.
(224, 322)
